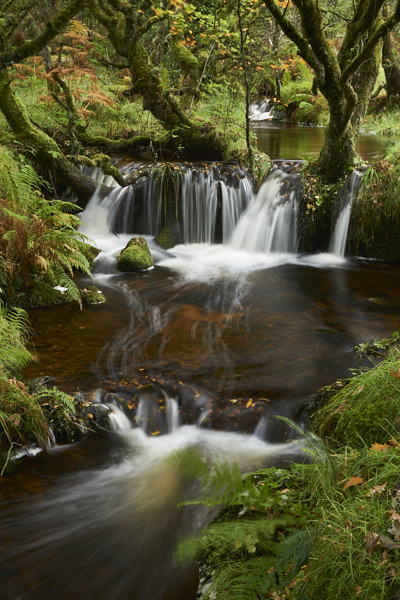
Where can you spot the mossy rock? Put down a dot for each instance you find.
(92, 295)
(135, 256)
(90, 253)
(169, 236)
(366, 410)
(44, 292)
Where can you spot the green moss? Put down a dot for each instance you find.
(169, 236)
(135, 256)
(366, 410)
(92, 295)
(318, 209)
(89, 252)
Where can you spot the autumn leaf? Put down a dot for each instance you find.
(377, 489)
(353, 481)
(380, 447)
(372, 542)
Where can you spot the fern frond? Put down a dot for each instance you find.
(58, 397)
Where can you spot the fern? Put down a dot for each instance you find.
(293, 554)
(57, 397)
(37, 236)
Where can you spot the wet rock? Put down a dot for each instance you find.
(135, 256)
(92, 295)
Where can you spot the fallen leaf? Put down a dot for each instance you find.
(393, 442)
(380, 447)
(353, 481)
(377, 489)
(358, 590)
(372, 541)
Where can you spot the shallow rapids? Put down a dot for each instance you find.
(109, 527)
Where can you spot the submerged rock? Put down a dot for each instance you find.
(92, 295)
(135, 256)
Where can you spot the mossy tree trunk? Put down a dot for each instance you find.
(44, 149)
(127, 23)
(347, 78)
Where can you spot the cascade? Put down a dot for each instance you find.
(337, 244)
(262, 110)
(204, 196)
(270, 222)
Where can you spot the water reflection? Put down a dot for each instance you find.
(281, 140)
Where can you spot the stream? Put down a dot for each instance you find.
(216, 340)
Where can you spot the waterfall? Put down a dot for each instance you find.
(156, 415)
(270, 222)
(262, 110)
(206, 196)
(337, 244)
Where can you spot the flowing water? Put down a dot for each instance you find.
(213, 343)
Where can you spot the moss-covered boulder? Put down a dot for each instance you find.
(169, 236)
(92, 295)
(135, 256)
(366, 411)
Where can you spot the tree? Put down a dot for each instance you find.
(345, 78)
(128, 22)
(46, 152)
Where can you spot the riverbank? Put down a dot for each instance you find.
(325, 530)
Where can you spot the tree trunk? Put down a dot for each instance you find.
(390, 62)
(44, 149)
(338, 153)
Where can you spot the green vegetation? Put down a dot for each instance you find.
(21, 417)
(328, 530)
(135, 256)
(375, 218)
(39, 245)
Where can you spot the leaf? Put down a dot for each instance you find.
(372, 542)
(377, 489)
(353, 481)
(380, 447)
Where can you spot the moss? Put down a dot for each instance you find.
(169, 236)
(185, 59)
(366, 410)
(135, 256)
(92, 295)
(318, 208)
(89, 252)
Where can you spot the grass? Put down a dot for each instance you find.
(325, 530)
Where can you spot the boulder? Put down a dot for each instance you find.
(135, 256)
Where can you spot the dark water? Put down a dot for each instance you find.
(302, 142)
(99, 519)
(234, 344)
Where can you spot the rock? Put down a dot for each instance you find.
(169, 236)
(135, 256)
(92, 295)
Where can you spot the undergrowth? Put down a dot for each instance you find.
(39, 245)
(325, 530)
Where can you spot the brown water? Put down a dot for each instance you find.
(99, 519)
(234, 339)
(300, 142)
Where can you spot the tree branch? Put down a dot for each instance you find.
(293, 34)
(373, 39)
(52, 29)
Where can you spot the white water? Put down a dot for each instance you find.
(337, 244)
(270, 222)
(259, 231)
(262, 110)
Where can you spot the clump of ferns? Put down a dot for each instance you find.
(21, 418)
(38, 237)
